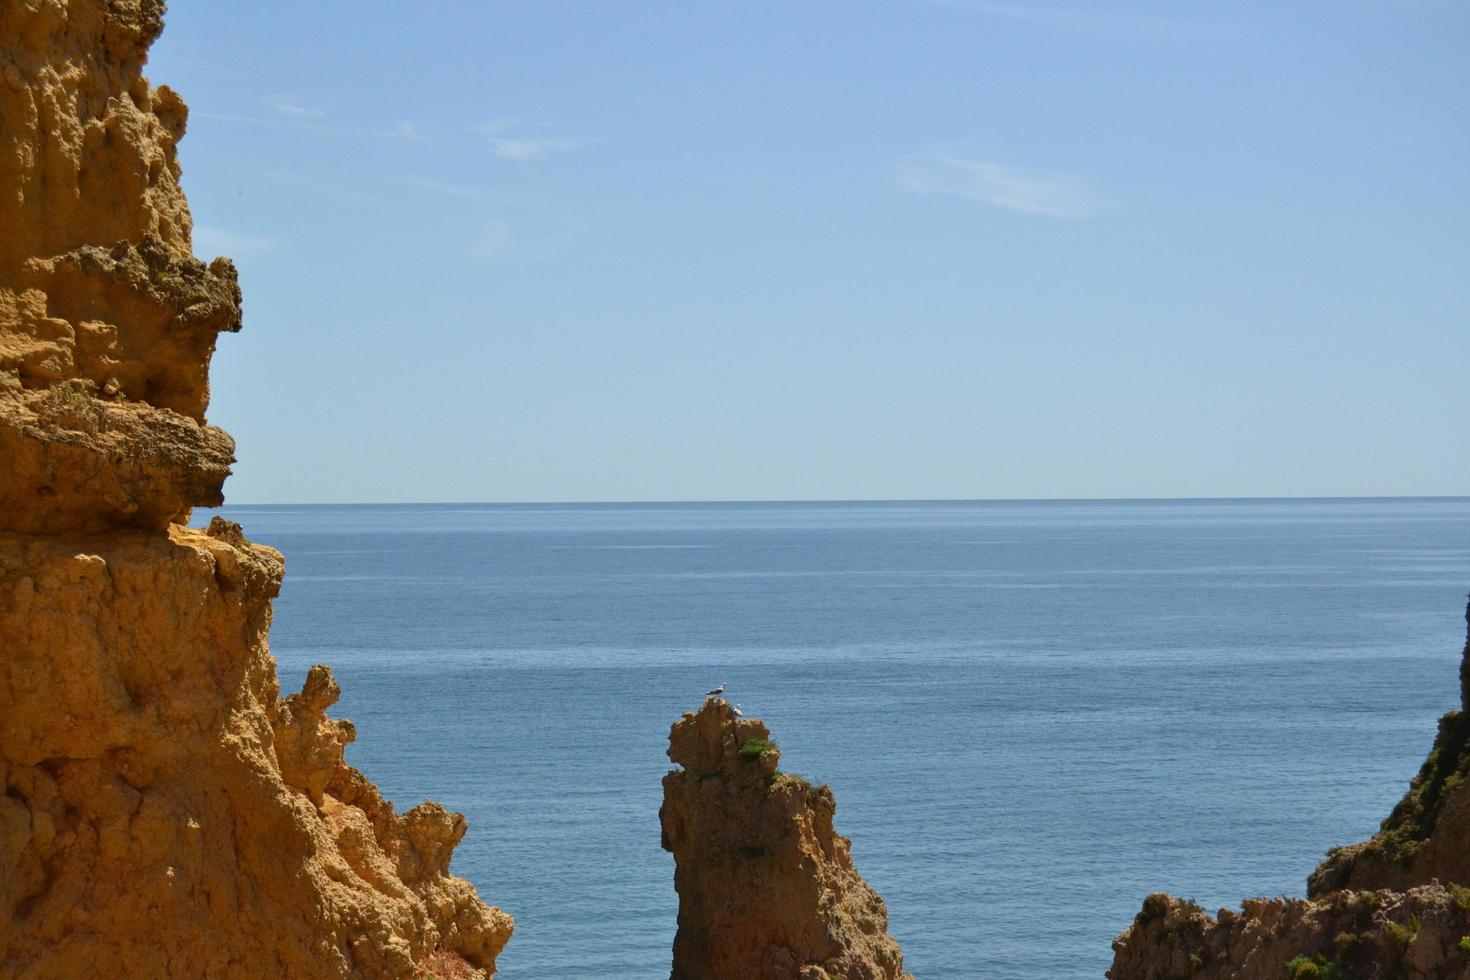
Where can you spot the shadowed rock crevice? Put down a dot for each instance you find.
(767, 888)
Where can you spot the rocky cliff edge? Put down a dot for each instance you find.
(166, 812)
(1397, 905)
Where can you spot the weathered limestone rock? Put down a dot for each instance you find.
(1397, 905)
(87, 156)
(133, 321)
(165, 813)
(767, 889)
(76, 463)
(102, 302)
(1361, 935)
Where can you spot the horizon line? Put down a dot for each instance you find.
(832, 500)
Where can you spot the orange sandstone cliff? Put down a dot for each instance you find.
(166, 813)
(1397, 905)
(767, 889)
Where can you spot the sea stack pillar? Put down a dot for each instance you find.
(767, 888)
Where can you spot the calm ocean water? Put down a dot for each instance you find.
(1032, 714)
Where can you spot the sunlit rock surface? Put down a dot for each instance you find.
(166, 813)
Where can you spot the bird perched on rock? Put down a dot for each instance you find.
(716, 692)
(738, 712)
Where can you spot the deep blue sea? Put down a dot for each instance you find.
(1033, 713)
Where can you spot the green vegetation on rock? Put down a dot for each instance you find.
(790, 778)
(1397, 937)
(1316, 967)
(1443, 773)
(755, 748)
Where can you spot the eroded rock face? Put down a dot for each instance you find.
(166, 813)
(101, 298)
(767, 888)
(1363, 935)
(87, 154)
(77, 463)
(1397, 905)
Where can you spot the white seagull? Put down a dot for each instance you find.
(716, 692)
(738, 712)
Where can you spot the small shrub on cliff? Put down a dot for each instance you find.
(70, 404)
(755, 748)
(783, 778)
(72, 393)
(1442, 776)
(1316, 967)
(1396, 938)
(1465, 944)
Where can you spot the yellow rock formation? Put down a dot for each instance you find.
(166, 813)
(767, 888)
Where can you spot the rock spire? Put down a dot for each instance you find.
(767, 888)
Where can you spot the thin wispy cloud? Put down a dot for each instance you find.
(291, 114)
(332, 188)
(937, 170)
(231, 117)
(213, 240)
(289, 105)
(508, 140)
(497, 126)
(1068, 18)
(305, 124)
(404, 131)
(531, 147)
(475, 195)
(493, 242)
(204, 59)
(533, 236)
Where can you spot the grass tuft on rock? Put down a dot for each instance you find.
(755, 748)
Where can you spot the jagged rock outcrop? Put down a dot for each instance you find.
(767, 888)
(165, 812)
(101, 298)
(1397, 905)
(1347, 935)
(1428, 833)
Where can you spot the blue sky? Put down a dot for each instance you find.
(861, 249)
